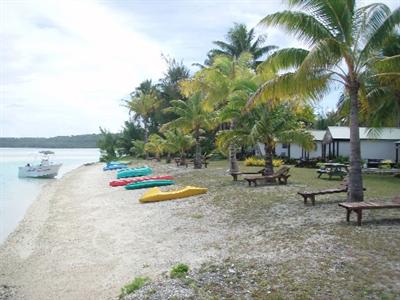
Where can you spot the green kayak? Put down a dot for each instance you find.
(148, 183)
(134, 172)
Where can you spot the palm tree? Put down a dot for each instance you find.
(107, 144)
(226, 85)
(178, 142)
(342, 41)
(267, 125)
(143, 103)
(192, 117)
(137, 148)
(155, 145)
(240, 40)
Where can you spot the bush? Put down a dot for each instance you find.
(179, 271)
(341, 160)
(385, 164)
(136, 284)
(254, 162)
(259, 162)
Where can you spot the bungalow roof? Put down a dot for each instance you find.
(318, 134)
(343, 133)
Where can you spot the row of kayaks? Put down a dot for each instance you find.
(141, 180)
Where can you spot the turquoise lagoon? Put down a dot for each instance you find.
(17, 194)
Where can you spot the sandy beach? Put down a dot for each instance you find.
(82, 239)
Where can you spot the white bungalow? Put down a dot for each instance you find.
(296, 151)
(383, 143)
(380, 144)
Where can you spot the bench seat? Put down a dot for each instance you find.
(311, 195)
(358, 207)
(236, 174)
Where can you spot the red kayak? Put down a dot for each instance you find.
(123, 182)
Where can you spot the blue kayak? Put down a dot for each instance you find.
(148, 183)
(115, 166)
(134, 172)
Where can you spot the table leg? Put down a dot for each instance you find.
(348, 214)
(359, 216)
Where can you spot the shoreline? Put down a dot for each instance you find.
(34, 199)
(82, 239)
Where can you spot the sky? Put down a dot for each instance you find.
(66, 65)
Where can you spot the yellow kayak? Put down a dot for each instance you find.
(155, 194)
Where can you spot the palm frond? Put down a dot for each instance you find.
(305, 27)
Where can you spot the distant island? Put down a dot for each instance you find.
(73, 141)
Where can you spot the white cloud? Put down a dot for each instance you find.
(68, 64)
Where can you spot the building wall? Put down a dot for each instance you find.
(295, 150)
(378, 149)
(371, 149)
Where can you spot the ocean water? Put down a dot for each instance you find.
(16, 194)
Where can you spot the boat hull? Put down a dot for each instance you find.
(123, 182)
(47, 171)
(148, 183)
(134, 172)
(115, 167)
(155, 194)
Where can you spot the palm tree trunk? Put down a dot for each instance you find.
(168, 159)
(355, 184)
(183, 159)
(197, 159)
(233, 164)
(269, 167)
(146, 137)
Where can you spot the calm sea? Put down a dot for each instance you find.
(16, 194)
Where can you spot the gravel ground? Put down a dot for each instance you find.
(84, 240)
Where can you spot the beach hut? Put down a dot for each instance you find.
(296, 151)
(375, 144)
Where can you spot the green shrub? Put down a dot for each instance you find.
(136, 284)
(341, 160)
(179, 271)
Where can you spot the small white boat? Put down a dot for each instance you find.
(45, 169)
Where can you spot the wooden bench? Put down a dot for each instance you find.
(311, 195)
(236, 174)
(343, 188)
(281, 176)
(358, 207)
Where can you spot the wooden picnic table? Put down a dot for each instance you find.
(333, 169)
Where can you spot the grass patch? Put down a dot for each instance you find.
(136, 284)
(179, 271)
(283, 249)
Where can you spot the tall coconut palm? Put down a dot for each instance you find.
(342, 40)
(239, 40)
(226, 85)
(193, 118)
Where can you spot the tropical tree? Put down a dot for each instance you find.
(225, 85)
(239, 40)
(176, 141)
(193, 118)
(137, 148)
(130, 131)
(107, 144)
(342, 41)
(155, 145)
(144, 101)
(267, 125)
(169, 88)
